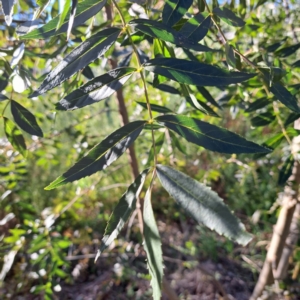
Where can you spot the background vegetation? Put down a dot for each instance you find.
(49, 238)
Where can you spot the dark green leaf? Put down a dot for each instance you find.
(88, 73)
(158, 144)
(259, 103)
(287, 51)
(196, 28)
(230, 57)
(85, 10)
(166, 88)
(291, 118)
(262, 119)
(167, 33)
(285, 97)
(79, 58)
(229, 17)
(206, 94)
(296, 64)
(102, 155)
(201, 106)
(209, 136)
(204, 205)
(122, 212)
(3, 97)
(25, 119)
(286, 170)
(15, 136)
(155, 107)
(273, 47)
(7, 7)
(195, 73)
(152, 245)
(274, 141)
(96, 90)
(174, 10)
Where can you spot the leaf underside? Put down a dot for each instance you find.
(204, 205)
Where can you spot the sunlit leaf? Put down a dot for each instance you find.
(62, 16)
(15, 136)
(229, 17)
(80, 57)
(285, 97)
(209, 136)
(85, 10)
(152, 245)
(195, 73)
(25, 119)
(7, 7)
(122, 212)
(286, 170)
(102, 155)
(72, 17)
(204, 205)
(174, 10)
(96, 90)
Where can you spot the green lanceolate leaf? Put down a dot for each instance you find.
(285, 97)
(291, 118)
(195, 73)
(230, 56)
(25, 119)
(166, 88)
(204, 205)
(263, 119)
(3, 97)
(229, 17)
(174, 10)
(155, 107)
(152, 245)
(287, 51)
(102, 155)
(167, 34)
(206, 94)
(196, 28)
(209, 136)
(7, 7)
(63, 14)
(96, 90)
(85, 10)
(15, 136)
(80, 57)
(122, 212)
(286, 170)
(259, 103)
